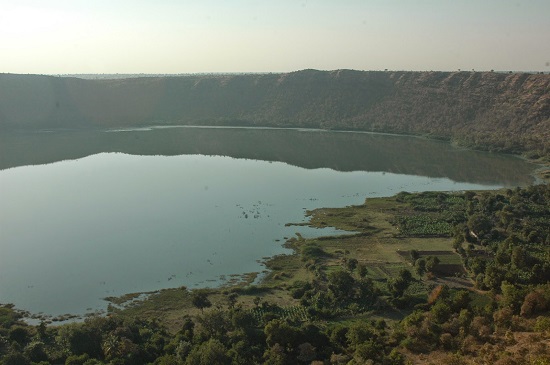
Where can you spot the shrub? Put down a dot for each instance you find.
(542, 324)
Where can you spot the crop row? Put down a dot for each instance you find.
(423, 225)
(292, 313)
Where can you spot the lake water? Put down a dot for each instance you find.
(85, 215)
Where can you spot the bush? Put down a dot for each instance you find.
(312, 251)
(542, 324)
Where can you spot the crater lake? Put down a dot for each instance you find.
(90, 214)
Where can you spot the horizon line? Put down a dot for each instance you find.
(233, 73)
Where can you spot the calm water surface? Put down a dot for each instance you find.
(119, 212)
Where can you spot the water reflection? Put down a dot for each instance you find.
(340, 151)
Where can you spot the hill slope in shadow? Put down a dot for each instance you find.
(486, 110)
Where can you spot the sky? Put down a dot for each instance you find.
(180, 36)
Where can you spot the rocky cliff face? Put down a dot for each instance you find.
(504, 112)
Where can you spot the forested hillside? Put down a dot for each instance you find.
(486, 110)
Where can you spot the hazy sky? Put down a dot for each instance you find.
(178, 36)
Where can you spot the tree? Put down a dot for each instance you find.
(440, 292)
(536, 301)
(20, 335)
(187, 330)
(79, 339)
(395, 358)
(502, 318)
(493, 277)
(200, 299)
(441, 311)
(257, 301)
(405, 275)
(341, 283)
(369, 350)
(15, 358)
(362, 270)
(306, 352)
(367, 291)
(420, 266)
(279, 332)
(211, 352)
(479, 225)
(214, 324)
(460, 300)
(512, 296)
(414, 255)
(359, 333)
(110, 347)
(476, 265)
(351, 264)
(167, 360)
(398, 285)
(519, 257)
(275, 355)
(232, 300)
(77, 360)
(36, 351)
(431, 263)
